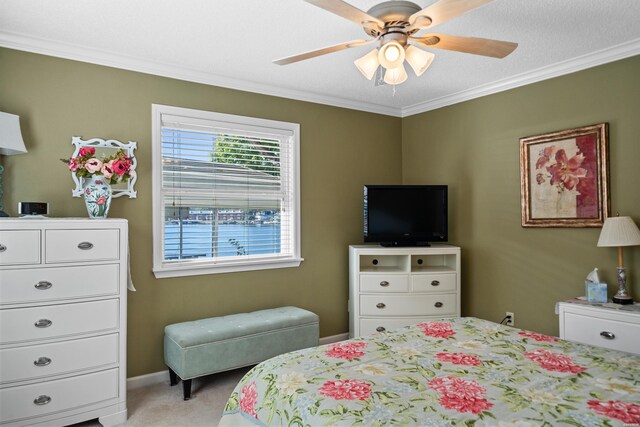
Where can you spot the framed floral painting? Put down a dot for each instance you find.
(564, 178)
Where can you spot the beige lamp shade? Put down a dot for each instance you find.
(391, 55)
(619, 231)
(368, 64)
(419, 59)
(395, 76)
(10, 136)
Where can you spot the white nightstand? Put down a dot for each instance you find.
(599, 325)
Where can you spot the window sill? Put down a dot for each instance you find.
(167, 271)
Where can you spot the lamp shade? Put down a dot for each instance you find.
(395, 76)
(10, 136)
(619, 231)
(419, 59)
(368, 64)
(391, 55)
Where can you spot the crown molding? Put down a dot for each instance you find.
(109, 59)
(604, 56)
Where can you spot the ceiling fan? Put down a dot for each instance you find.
(394, 24)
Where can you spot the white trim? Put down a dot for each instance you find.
(163, 376)
(604, 56)
(95, 56)
(74, 52)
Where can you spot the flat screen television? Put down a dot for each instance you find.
(405, 215)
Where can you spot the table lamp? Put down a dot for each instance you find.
(10, 143)
(620, 231)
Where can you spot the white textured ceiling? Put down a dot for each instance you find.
(233, 43)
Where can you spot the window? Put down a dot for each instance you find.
(225, 193)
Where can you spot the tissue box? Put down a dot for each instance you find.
(596, 292)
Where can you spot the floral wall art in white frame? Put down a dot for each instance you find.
(564, 178)
(107, 148)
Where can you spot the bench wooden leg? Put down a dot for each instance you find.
(186, 387)
(173, 377)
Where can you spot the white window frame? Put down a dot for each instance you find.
(191, 267)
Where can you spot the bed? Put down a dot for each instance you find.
(452, 372)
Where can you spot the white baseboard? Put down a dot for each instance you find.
(163, 376)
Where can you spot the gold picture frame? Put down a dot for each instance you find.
(564, 178)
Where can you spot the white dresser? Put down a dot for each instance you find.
(614, 328)
(394, 287)
(63, 319)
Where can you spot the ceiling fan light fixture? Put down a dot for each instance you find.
(368, 64)
(391, 55)
(395, 76)
(419, 59)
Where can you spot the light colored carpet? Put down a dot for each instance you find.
(161, 405)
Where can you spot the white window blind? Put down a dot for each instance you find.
(228, 197)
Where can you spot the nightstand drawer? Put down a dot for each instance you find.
(384, 282)
(52, 321)
(408, 305)
(48, 397)
(19, 247)
(433, 282)
(81, 245)
(36, 361)
(600, 332)
(49, 284)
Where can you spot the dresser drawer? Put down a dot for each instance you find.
(19, 247)
(35, 361)
(50, 284)
(384, 283)
(433, 282)
(369, 326)
(17, 403)
(613, 334)
(19, 324)
(81, 245)
(408, 305)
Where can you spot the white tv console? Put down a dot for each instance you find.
(400, 286)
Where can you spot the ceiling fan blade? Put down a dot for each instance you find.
(442, 11)
(323, 51)
(474, 45)
(349, 12)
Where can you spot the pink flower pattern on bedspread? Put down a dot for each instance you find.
(450, 372)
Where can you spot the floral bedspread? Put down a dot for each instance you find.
(453, 372)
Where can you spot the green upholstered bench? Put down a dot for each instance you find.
(202, 347)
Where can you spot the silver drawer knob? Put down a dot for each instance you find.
(438, 304)
(607, 335)
(43, 323)
(43, 285)
(384, 283)
(2, 247)
(435, 283)
(381, 329)
(42, 361)
(381, 305)
(85, 246)
(42, 400)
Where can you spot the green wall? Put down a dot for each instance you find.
(341, 150)
(474, 148)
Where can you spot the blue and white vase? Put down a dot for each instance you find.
(97, 196)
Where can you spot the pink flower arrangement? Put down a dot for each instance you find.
(248, 399)
(348, 350)
(459, 358)
(554, 362)
(116, 168)
(627, 412)
(537, 337)
(437, 329)
(564, 172)
(346, 389)
(461, 395)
